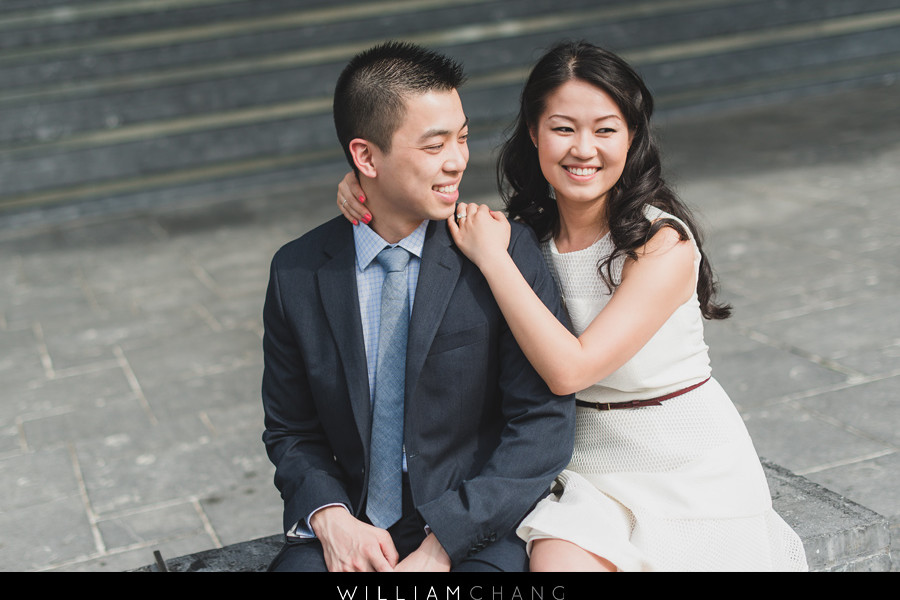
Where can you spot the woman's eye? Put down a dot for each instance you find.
(563, 129)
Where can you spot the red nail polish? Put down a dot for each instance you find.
(367, 218)
(362, 199)
(355, 222)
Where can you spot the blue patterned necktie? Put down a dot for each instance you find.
(384, 503)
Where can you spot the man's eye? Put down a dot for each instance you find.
(434, 148)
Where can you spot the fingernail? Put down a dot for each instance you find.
(367, 218)
(355, 222)
(362, 199)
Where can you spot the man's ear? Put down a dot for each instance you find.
(363, 153)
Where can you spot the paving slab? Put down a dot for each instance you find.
(782, 433)
(786, 373)
(37, 478)
(123, 559)
(217, 395)
(257, 497)
(46, 533)
(67, 426)
(872, 409)
(177, 520)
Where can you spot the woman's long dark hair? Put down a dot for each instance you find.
(527, 193)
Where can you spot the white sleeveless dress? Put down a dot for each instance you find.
(675, 487)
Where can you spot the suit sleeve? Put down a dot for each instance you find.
(305, 470)
(535, 445)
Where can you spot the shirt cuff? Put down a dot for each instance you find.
(302, 529)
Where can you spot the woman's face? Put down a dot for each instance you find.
(582, 141)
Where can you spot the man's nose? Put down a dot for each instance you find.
(457, 158)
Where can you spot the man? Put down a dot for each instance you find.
(419, 452)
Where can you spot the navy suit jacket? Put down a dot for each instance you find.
(484, 436)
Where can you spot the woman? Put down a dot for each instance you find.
(664, 475)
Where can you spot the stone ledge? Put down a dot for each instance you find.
(837, 534)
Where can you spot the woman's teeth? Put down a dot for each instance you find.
(582, 171)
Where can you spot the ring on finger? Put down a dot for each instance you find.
(343, 203)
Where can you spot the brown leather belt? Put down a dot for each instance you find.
(637, 403)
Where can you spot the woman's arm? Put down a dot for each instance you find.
(652, 288)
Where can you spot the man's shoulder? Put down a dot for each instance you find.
(522, 233)
(523, 243)
(519, 233)
(311, 247)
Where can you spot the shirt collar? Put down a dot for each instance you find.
(369, 243)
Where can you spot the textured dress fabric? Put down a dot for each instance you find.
(674, 487)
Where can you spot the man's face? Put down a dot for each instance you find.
(419, 178)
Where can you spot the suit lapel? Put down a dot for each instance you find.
(340, 299)
(438, 274)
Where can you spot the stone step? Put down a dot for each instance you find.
(184, 92)
(722, 29)
(838, 535)
(296, 26)
(80, 24)
(17, 6)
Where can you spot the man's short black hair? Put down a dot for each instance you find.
(370, 95)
